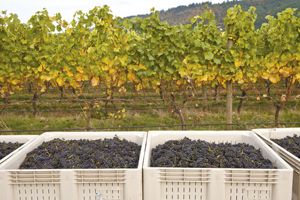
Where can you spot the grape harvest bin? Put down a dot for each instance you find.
(279, 133)
(72, 184)
(216, 183)
(25, 139)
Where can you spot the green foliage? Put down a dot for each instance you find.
(280, 40)
(239, 63)
(160, 48)
(206, 50)
(97, 49)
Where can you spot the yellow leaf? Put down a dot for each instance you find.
(131, 76)
(78, 77)
(70, 74)
(107, 61)
(53, 74)
(65, 68)
(139, 87)
(43, 89)
(178, 82)
(123, 60)
(141, 66)
(60, 81)
(95, 81)
(112, 71)
(40, 68)
(85, 77)
(237, 63)
(14, 82)
(45, 78)
(80, 69)
(285, 71)
(2, 92)
(74, 84)
(122, 90)
(265, 75)
(182, 72)
(270, 64)
(274, 78)
(82, 53)
(204, 77)
(120, 83)
(239, 77)
(105, 67)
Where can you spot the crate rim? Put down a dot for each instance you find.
(143, 134)
(274, 144)
(29, 137)
(154, 133)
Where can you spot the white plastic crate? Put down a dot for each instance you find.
(72, 184)
(24, 139)
(278, 133)
(216, 183)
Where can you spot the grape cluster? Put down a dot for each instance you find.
(83, 154)
(202, 154)
(292, 144)
(8, 147)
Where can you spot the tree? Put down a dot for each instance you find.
(12, 67)
(280, 55)
(204, 53)
(161, 49)
(238, 65)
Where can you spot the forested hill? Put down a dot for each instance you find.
(183, 14)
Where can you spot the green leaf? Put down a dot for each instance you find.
(208, 55)
(15, 60)
(217, 61)
(28, 58)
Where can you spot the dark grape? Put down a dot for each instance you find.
(8, 147)
(83, 154)
(202, 154)
(292, 144)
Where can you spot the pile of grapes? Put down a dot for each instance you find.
(83, 154)
(202, 154)
(8, 147)
(292, 144)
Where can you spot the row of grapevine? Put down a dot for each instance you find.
(100, 50)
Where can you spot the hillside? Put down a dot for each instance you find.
(182, 14)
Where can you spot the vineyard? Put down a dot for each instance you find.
(108, 69)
